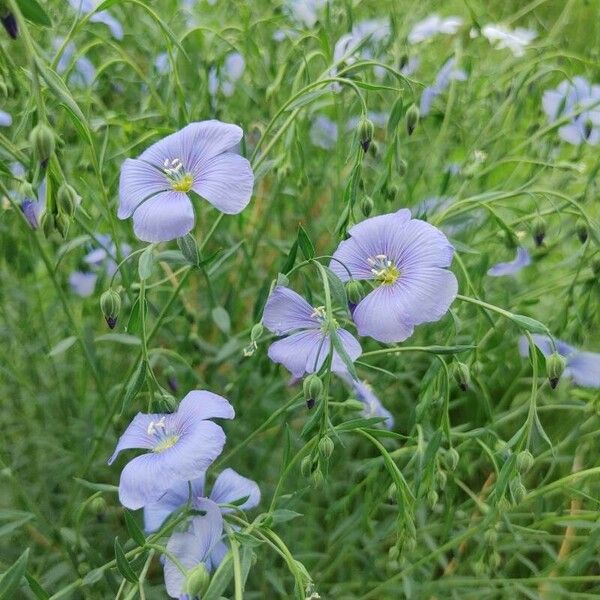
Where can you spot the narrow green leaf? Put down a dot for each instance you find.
(137, 535)
(123, 564)
(38, 591)
(11, 578)
(290, 259)
(305, 244)
(33, 11)
(119, 338)
(135, 384)
(62, 346)
(221, 319)
(146, 263)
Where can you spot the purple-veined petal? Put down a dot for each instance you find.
(146, 478)
(231, 486)
(286, 311)
(192, 547)
(226, 181)
(201, 404)
(139, 181)
(584, 368)
(156, 513)
(510, 268)
(83, 284)
(302, 352)
(136, 435)
(165, 216)
(351, 346)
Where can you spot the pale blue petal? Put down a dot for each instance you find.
(286, 311)
(231, 486)
(521, 261)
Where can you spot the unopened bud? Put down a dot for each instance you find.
(366, 206)
(412, 119)
(588, 126)
(110, 304)
(441, 479)
(539, 231)
(62, 222)
(452, 458)
(188, 247)
(555, 365)
(42, 141)
(525, 461)
(326, 446)
(10, 24)
(171, 379)
(490, 536)
(313, 388)
(256, 332)
(365, 133)
(28, 209)
(582, 232)
(197, 581)
(317, 477)
(462, 376)
(98, 505)
(432, 498)
(402, 167)
(306, 466)
(66, 199)
(47, 224)
(518, 490)
(354, 290)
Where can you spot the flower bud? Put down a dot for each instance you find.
(317, 478)
(538, 231)
(47, 224)
(326, 446)
(189, 249)
(555, 365)
(588, 126)
(10, 24)
(365, 133)
(366, 206)
(394, 552)
(374, 149)
(582, 232)
(98, 505)
(525, 461)
(110, 304)
(490, 536)
(42, 141)
(402, 167)
(171, 379)
(62, 222)
(412, 119)
(66, 199)
(354, 290)
(27, 208)
(197, 581)
(462, 376)
(256, 332)
(313, 387)
(518, 490)
(452, 458)
(432, 498)
(441, 479)
(306, 466)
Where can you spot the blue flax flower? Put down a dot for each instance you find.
(448, 73)
(308, 338)
(182, 446)
(199, 158)
(522, 260)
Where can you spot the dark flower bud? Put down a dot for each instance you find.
(539, 231)
(365, 133)
(66, 199)
(256, 332)
(110, 304)
(197, 581)
(403, 62)
(525, 461)
(462, 376)
(326, 446)
(47, 224)
(354, 290)
(412, 119)
(587, 129)
(42, 141)
(10, 24)
(452, 458)
(582, 231)
(555, 365)
(62, 222)
(313, 387)
(189, 249)
(366, 206)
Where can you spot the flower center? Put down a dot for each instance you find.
(165, 439)
(321, 315)
(384, 270)
(180, 180)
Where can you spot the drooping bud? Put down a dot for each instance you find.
(538, 231)
(10, 23)
(47, 224)
(555, 365)
(66, 199)
(441, 479)
(582, 231)
(110, 304)
(62, 222)
(525, 461)
(365, 133)
(313, 387)
(491, 537)
(326, 446)
(432, 498)
(197, 581)
(306, 466)
(452, 458)
(171, 379)
(189, 249)
(354, 290)
(42, 141)
(412, 119)
(256, 332)
(366, 206)
(462, 376)
(518, 490)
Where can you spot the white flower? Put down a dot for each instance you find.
(433, 25)
(514, 40)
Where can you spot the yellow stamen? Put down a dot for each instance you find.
(184, 184)
(167, 443)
